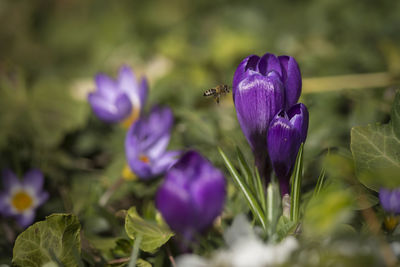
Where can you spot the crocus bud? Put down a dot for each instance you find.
(262, 87)
(390, 200)
(286, 132)
(118, 100)
(21, 198)
(146, 143)
(192, 195)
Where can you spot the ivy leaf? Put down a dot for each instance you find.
(153, 235)
(376, 152)
(55, 240)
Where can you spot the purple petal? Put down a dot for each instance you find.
(208, 193)
(175, 204)
(292, 79)
(42, 198)
(258, 99)
(269, 62)
(163, 163)
(34, 179)
(10, 180)
(110, 110)
(5, 208)
(26, 219)
(249, 63)
(283, 145)
(390, 200)
(106, 87)
(127, 83)
(298, 115)
(143, 91)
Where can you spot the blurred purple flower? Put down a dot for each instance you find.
(390, 200)
(146, 143)
(262, 87)
(20, 198)
(192, 195)
(286, 132)
(118, 100)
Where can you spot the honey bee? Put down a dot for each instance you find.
(217, 92)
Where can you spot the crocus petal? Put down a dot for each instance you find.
(41, 198)
(26, 219)
(164, 162)
(292, 79)
(106, 87)
(10, 180)
(110, 111)
(5, 208)
(128, 84)
(143, 91)
(209, 189)
(298, 115)
(283, 145)
(249, 63)
(258, 99)
(176, 206)
(390, 200)
(269, 62)
(34, 179)
(192, 195)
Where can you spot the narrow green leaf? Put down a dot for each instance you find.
(296, 186)
(395, 116)
(244, 167)
(260, 190)
(320, 182)
(154, 236)
(251, 200)
(57, 239)
(135, 251)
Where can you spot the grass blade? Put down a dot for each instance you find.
(249, 196)
(320, 182)
(244, 168)
(273, 209)
(260, 189)
(296, 186)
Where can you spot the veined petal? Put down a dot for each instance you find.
(249, 63)
(34, 179)
(292, 79)
(258, 99)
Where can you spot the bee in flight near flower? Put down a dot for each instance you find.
(217, 92)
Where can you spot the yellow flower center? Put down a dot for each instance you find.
(144, 158)
(127, 174)
(21, 201)
(131, 119)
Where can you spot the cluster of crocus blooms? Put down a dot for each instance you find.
(265, 93)
(120, 100)
(192, 195)
(21, 198)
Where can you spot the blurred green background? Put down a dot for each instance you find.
(51, 49)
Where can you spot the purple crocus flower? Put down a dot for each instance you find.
(118, 100)
(192, 195)
(286, 132)
(262, 87)
(390, 200)
(146, 143)
(20, 198)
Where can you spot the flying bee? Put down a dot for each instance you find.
(217, 92)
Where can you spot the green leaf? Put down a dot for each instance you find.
(244, 167)
(376, 152)
(320, 182)
(143, 263)
(249, 196)
(284, 227)
(153, 235)
(296, 186)
(57, 239)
